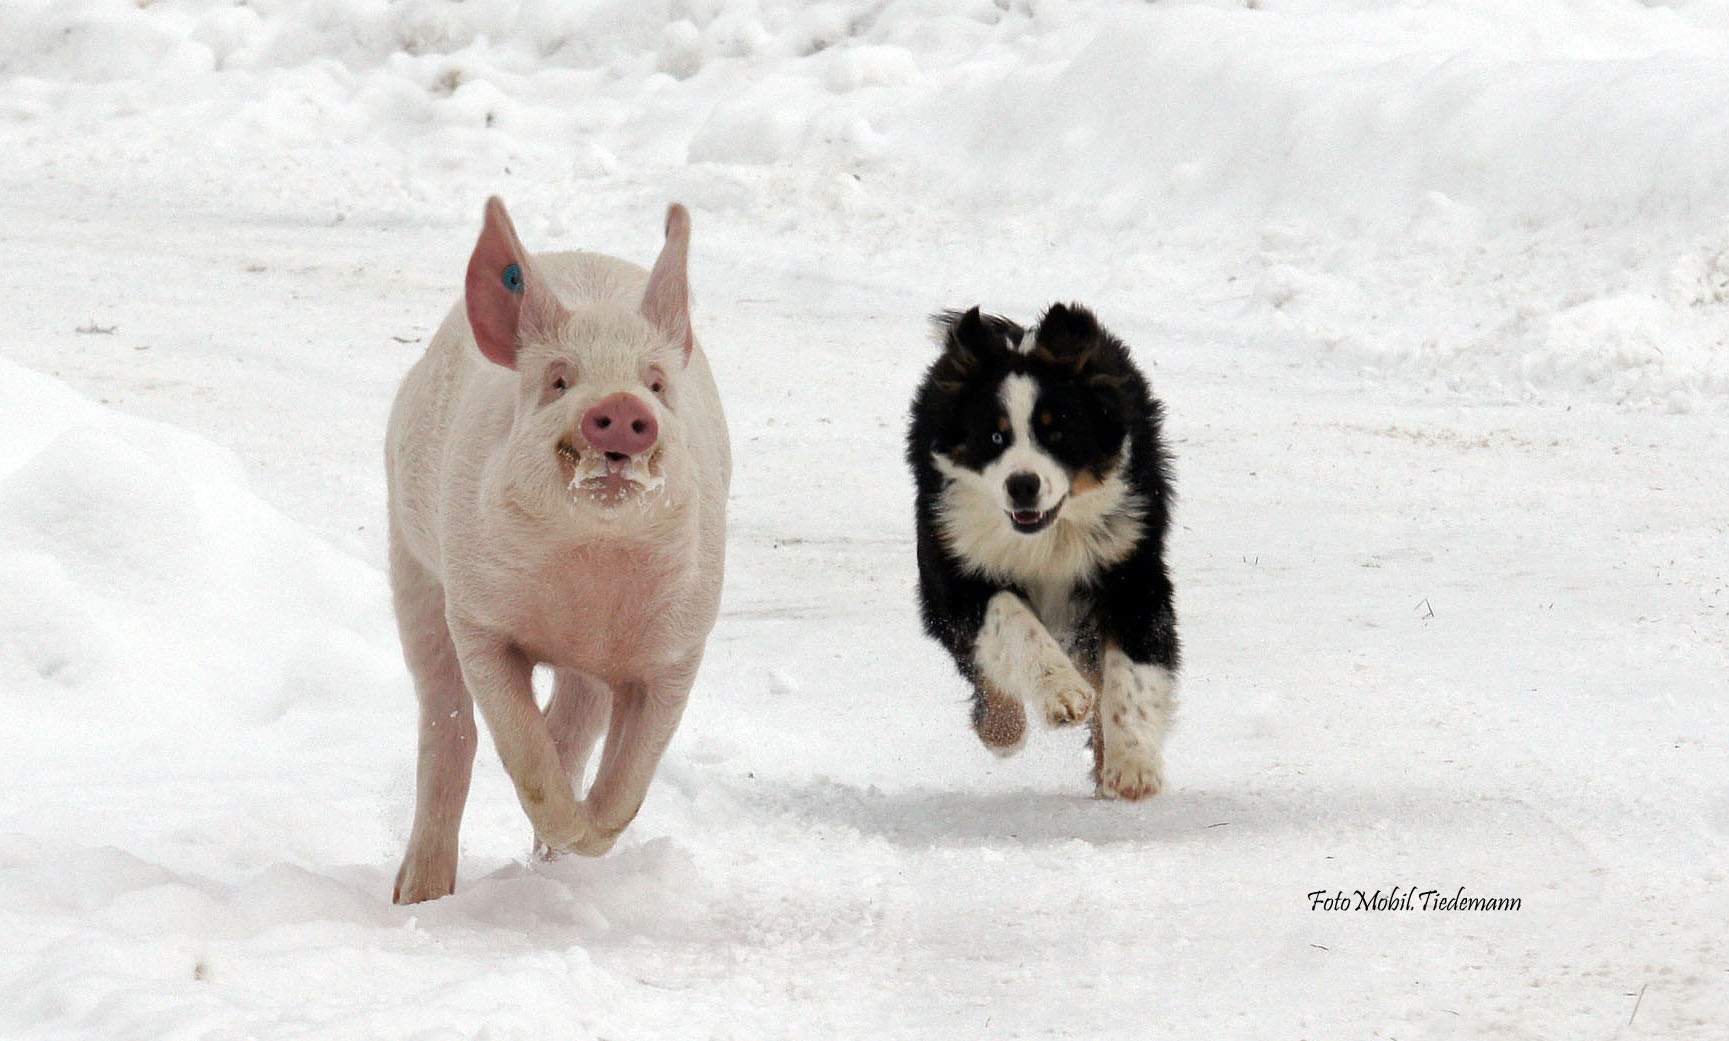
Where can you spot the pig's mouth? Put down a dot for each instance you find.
(610, 478)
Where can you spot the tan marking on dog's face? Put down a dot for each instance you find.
(1088, 480)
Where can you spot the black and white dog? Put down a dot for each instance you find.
(1043, 499)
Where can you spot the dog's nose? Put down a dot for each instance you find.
(1023, 489)
(620, 423)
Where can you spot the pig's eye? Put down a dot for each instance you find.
(559, 384)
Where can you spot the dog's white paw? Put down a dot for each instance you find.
(1066, 697)
(1133, 775)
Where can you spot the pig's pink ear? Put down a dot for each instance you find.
(666, 301)
(505, 296)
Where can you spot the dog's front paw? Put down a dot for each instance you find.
(1135, 775)
(1067, 698)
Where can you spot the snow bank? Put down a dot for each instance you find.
(146, 582)
(205, 702)
(1342, 159)
(1170, 109)
(1132, 112)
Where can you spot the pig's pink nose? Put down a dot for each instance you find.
(620, 423)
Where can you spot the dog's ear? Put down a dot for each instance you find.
(968, 338)
(1068, 335)
(975, 333)
(1071, 337)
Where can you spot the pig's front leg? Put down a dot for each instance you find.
(576, 716)
(500, 678)
(447, 734)
(644, 716)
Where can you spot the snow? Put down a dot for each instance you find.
(1437, 297)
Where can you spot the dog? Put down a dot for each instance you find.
(1043, 500)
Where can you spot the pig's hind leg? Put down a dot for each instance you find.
(447, 734)
(576, 716)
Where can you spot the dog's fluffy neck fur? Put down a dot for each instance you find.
(1097, 528)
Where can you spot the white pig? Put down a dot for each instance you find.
(558, 467)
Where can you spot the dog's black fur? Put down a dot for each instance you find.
(1092, 405)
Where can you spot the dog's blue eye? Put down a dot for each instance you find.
(513, 278)
(997, 438)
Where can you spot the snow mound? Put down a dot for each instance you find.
(1421, 167)
(145, 578)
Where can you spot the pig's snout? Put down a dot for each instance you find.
(620, 423)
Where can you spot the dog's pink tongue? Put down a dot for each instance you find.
(1026, 516)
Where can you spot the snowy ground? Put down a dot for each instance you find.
(1437, 297)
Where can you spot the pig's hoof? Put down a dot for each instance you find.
(418, 882)
(576, 829)
(548, 849)
(599, 842)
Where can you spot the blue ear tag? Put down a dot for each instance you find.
(513, 278)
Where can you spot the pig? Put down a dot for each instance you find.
(557, 466)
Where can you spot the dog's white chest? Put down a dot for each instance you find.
(1059, 606)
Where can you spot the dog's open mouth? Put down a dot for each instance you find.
(609, 478)
(1030, 522)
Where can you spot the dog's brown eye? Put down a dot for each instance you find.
(1055, 436)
